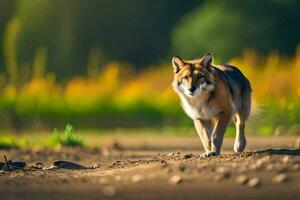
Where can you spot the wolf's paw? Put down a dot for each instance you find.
(210, 153)
(239, 145)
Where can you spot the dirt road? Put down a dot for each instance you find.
(158, 168)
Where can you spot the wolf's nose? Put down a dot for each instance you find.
(192, 89)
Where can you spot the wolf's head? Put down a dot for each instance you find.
(192, 78)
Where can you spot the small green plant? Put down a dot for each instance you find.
(66, 138)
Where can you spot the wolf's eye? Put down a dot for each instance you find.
(185, 78)
(199, 77)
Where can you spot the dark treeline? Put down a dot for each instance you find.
(143, 32)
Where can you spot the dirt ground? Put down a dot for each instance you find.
(158, 168)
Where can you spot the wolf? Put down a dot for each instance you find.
(212, 96)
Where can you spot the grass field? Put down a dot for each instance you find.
(120, 97)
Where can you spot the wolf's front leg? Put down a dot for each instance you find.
(204, 130)
(218, 133)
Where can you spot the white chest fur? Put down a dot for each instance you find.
(198, 108)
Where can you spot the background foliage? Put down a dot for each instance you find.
(106, 63)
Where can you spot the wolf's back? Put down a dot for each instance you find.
(240, 88)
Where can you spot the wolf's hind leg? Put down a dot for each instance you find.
(204, 130)
(240, 138)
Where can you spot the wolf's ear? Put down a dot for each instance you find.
(206, 60)
(177, 63)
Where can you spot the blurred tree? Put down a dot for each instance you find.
(134, 31)
(226, 28)
(7, 8)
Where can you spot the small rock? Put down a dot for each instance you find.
(117, 162)
(234, 165)
(254, 182)
(187, 156)
(255, 166)
(176, 179)
(263, 160)
(286, 159)
(220, 169)
(280, 178)
(105, 152)
(13, 165)
(137, 178)
(103, 181)
(109, 191)
(171, 154)
(38, 165)
(223, 171)
(242, 179)
(67, 165)
(296, 167)
(270, 167)
(118, 178)
(95, 166)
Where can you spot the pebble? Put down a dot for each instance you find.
(223, 171)
(263, 160)
(109, 191)
(296, 167)
(103, 181)
(105, 152)
(176, 179)
(187, 156)
(254, 182)
(234, 165)
(286, 159)
(38, 165)
(280, 178)
(137, 178)
(118, 178)
(171, 154)
(270, 167)
(95, 166)
(242, 179)
(67, 165)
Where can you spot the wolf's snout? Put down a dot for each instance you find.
(192, 89)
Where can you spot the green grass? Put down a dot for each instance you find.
(65, 138)
(7, 142)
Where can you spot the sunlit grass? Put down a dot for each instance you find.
(9, 141)
(118, 95)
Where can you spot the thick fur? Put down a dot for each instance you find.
(211, 96)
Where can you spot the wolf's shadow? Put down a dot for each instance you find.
(289, 152)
